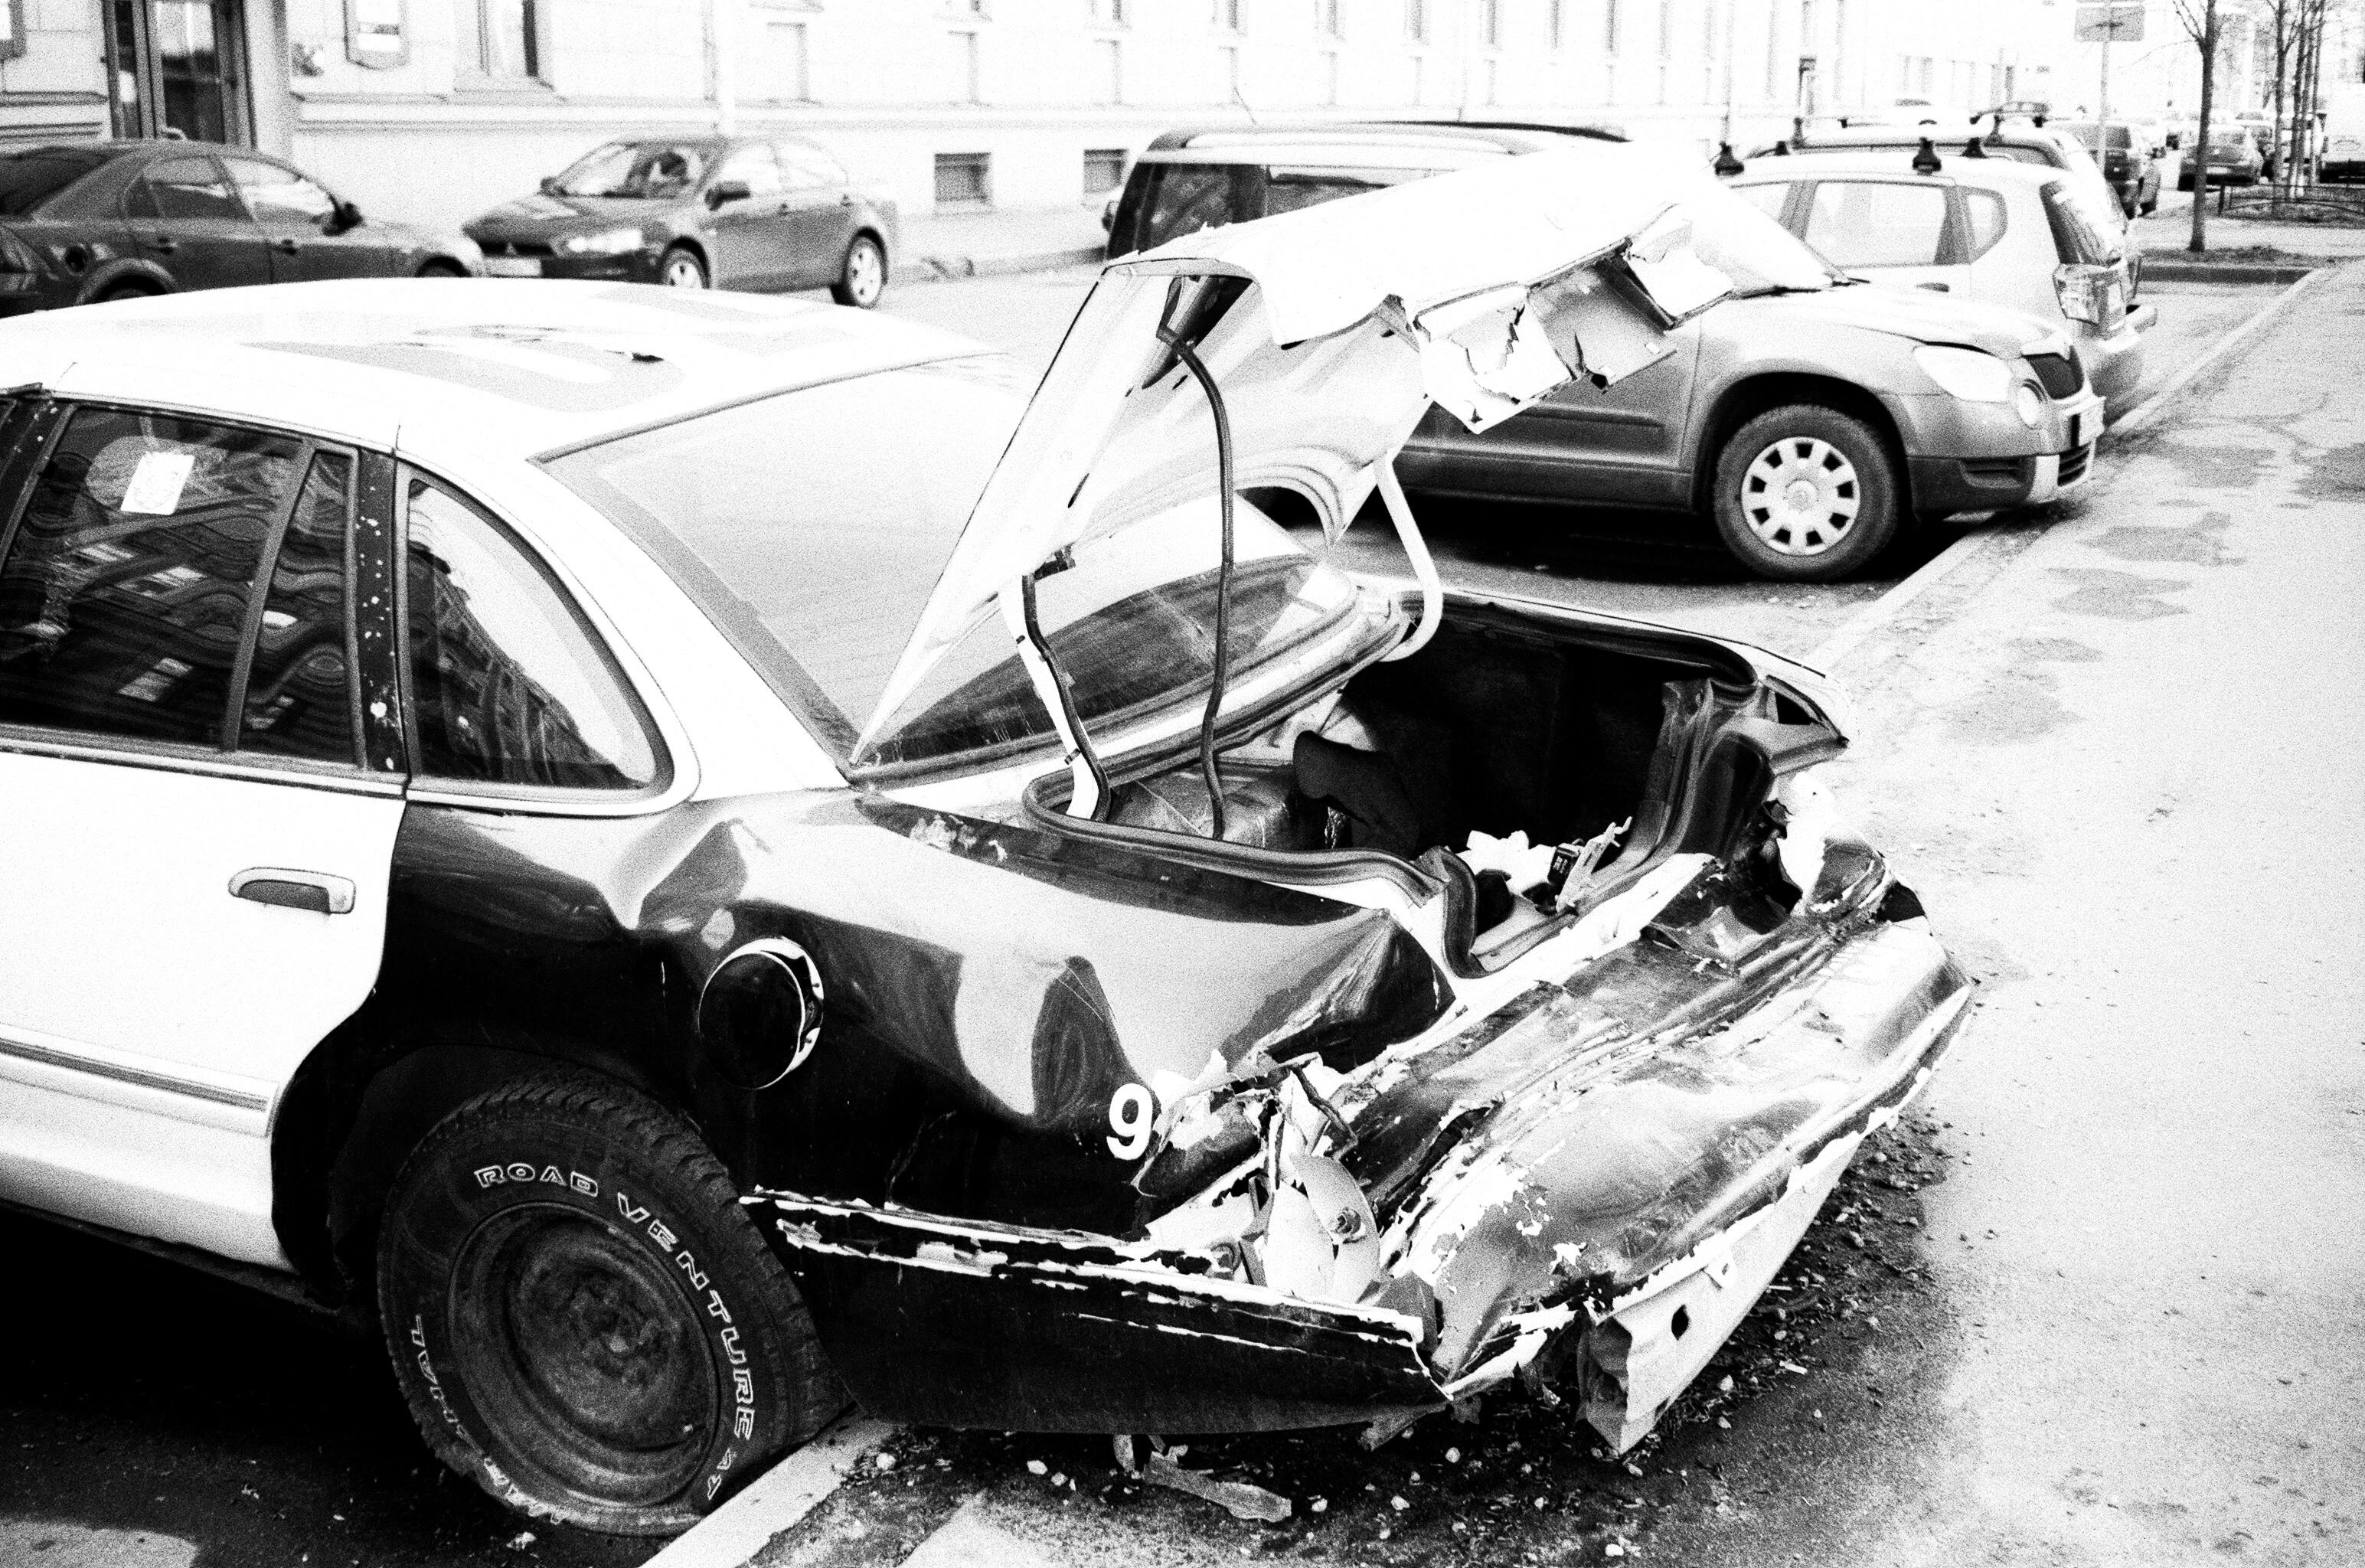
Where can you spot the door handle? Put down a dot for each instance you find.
(165, 243)
(285, 888)
(285, 247)
(1936, 288)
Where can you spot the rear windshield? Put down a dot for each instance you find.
(30, 178)
(2080, 233)
(1182, 198)
(811, 536)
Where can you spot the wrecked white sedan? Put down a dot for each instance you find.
(1176, 988)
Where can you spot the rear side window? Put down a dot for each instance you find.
(2036, 155)
(756, 165)
(280, 195)
(1984, 220)
(1769, 199)
(184, 187)
(301, 694)
(124, 593)
(509, 685)
(1288, 190)
(1877, 223)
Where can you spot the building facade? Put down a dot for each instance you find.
(433, 109)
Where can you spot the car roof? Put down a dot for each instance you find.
(1853, 137)
(1954, 168)
(500, 366)
(1393, 143)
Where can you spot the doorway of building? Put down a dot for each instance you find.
(177, 68)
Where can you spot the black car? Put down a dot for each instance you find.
(99, 220)
(750, 212)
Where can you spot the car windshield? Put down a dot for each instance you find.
(1757, 253)
(29, 178)
(811, 528)
(645, 171)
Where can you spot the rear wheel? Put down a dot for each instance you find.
(442, 269)
(128, 291)
(682, 269)
(581, 1317)
(863, 278)
(1805, 493)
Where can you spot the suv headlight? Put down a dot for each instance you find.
(1967, 374)
(607, 243)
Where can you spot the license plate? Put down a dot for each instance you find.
(513, 266)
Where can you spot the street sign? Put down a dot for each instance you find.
(2110, 23)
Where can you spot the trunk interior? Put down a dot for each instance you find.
(1505, 723)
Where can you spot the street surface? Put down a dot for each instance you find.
(2095, 1303)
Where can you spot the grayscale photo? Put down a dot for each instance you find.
(1073, 783)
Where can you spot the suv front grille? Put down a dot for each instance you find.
(2059, 374)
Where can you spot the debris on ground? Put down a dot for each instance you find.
(1243, 1500)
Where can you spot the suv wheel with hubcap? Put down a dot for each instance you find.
(1805, 493)
(581, 1317)
(681, 268)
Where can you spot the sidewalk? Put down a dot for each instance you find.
(2240, 250)
(989, 244)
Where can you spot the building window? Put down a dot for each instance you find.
(502, 41)
(964, 179)
(1558, 14)
(1329, 19)
(1610, 24)
(1666, 29)
(1108, 76)
(1417, 28)
(1104, 170)
(780, 70)
(1330, 78)
(1774, 51)
(1108, 13)
(1490, 23)
(961, 83)
(1232, 16)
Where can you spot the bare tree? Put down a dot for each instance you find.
(2200, 21)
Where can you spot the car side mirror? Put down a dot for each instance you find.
(723, 191)
(344, 215)
(548, 185)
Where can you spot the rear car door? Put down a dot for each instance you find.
(195, 854)
(1886, 231)
(754, 234)
(820, 213)
(298, 221)
(185, 217)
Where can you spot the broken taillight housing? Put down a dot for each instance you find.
(2092, 294)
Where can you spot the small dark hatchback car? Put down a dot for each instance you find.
(101, 220)
(758, 213)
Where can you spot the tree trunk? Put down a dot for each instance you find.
(2200, 241)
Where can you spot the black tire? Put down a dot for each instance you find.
(1805, 493)
(681, 267)
(442, 269)
(128, 291)
(862, 276)
(581, 1317)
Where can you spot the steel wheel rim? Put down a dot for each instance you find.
(866, 273)
(569, 1330)
(683, 271)
(1800, 496)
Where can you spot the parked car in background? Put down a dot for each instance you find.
(2022, 139)
(2344, 130)
(85, 221)
(762, 213)
(691, 866)
(2126, 155)
(1982, 229)
(1188, 180)
(2232, 159)
(1798, 360)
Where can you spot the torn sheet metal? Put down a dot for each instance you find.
(1550, 1185)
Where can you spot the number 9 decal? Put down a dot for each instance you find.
(1133, 1115)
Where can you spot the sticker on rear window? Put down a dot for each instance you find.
(156, 484)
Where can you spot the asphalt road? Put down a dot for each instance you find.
(2098, 1305)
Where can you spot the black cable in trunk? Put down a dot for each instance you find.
(1183, 352)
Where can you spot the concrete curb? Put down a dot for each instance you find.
(778, 1499)
(2172, 270)
(941, 269)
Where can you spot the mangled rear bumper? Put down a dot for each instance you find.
(1609, 1200)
